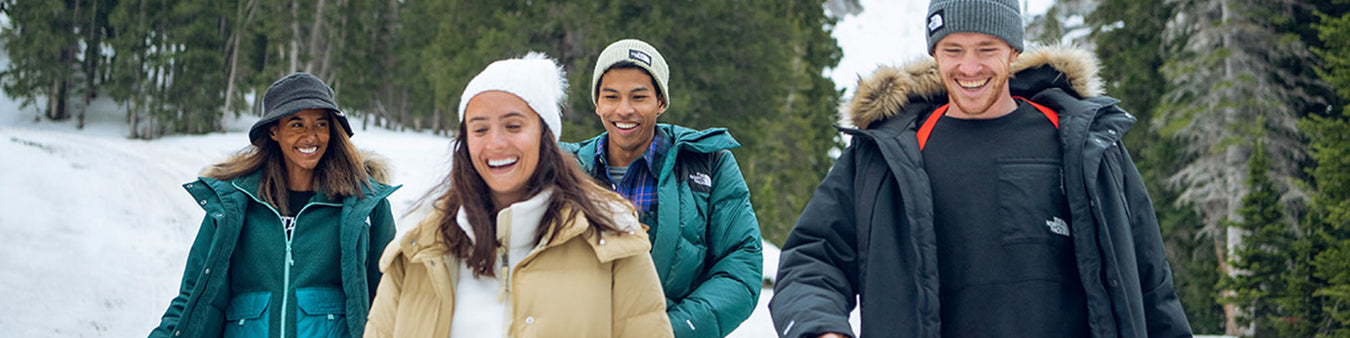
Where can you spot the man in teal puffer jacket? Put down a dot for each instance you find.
(686, 186)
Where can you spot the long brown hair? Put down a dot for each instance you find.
(467, 190)
(339, 173)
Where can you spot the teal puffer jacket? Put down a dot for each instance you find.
(349, 234)
(706, 241)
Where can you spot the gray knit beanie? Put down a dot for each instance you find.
(292, 94)
(639, 53)
(1000, 18)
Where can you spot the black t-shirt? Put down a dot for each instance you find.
(1005, 258)
(296, 200)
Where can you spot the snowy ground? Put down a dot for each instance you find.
(97, 227)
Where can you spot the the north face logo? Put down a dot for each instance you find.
(934, 22)
(701, 179)
(1058, 226)
(640, 56)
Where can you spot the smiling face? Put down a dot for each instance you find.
(628, 106)
(303, 138)
(503, 135)
(975, 69)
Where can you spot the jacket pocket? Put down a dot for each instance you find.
(247, 315)
(686, 268)
(322, 312)
(1032, 205)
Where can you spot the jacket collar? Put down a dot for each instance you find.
(425, 242)
(517, 223)
(888, 91)
(702, 141)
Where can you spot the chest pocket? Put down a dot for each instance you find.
(247, 315)
(1032, 204)
(323, 312)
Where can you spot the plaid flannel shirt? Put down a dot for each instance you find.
(639, 184)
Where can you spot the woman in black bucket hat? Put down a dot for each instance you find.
(295, 223)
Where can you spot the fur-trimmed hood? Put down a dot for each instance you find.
(888, 90)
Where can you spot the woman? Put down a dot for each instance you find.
(294, 225)
(521, 243)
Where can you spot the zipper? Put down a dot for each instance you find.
(286, 265)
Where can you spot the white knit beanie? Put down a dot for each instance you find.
(535, 78)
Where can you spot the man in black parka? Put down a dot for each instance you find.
(978, 203)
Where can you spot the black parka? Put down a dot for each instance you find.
(868, 230)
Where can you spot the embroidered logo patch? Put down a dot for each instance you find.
(1058, 226)
(640, 56)
(935, 22)
(701, 179)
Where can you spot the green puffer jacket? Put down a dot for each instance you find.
(345, 235)
(705, 241)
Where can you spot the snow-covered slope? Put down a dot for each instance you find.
(97, 226)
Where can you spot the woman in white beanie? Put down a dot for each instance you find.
(521, 243)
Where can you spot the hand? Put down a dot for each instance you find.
(832, 335)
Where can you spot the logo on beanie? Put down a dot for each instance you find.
(640, 56)
(934, 22)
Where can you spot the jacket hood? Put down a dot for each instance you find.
(377, 166)
(889, 90)
(703, 141)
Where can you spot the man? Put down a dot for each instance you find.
(687, 188)
(976, 203)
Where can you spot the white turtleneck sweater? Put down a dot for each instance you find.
(483, 305)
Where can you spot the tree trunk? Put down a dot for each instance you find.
(1222, 243)
(315, 35)
(91, 59)
(295, 37)
(244, 16)
(403, 113)
(436, 126)
(1232, 234)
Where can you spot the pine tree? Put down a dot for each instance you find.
(1224, 80)
(197, 71)
(138, 63)
(46, 60)
(784, 171)
(1264, 257)
(1326, 312)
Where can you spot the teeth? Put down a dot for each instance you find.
(625, 125)
(309, 150)
(502, 162)
(972, 84)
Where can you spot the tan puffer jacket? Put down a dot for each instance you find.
(580, 284)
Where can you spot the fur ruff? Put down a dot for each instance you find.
(887, 91)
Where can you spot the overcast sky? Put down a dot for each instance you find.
(889, 32)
